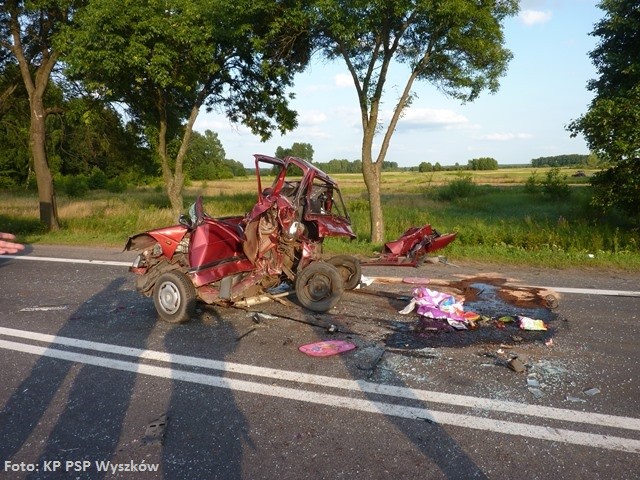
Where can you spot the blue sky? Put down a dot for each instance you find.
(543, 90)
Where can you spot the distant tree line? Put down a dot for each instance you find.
(573, 160)
(429, 167)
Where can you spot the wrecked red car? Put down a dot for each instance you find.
(250, 259)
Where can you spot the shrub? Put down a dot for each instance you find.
(461, 187)
(116, 185)
(74, 185)
(210, 171)
(6, 182)
(532, 185)
(555, 186)
(98, 179)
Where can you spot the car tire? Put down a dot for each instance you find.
(174, 297)
(319, 287)
(349, 268)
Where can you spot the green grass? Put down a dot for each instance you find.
(496, 218)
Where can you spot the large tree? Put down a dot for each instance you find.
(27, 30)
(166, 59)
(610, 125)
(457, 45)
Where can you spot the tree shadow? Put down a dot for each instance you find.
(207, 430)
(90, 418)
(4, 260)
(82, 408)
(22, 225)
(430, 438)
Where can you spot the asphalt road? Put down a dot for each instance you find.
(93, 386)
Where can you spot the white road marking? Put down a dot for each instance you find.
(581, 291)
(44, 309)
(462, 420)
(594, 291)
(68, 260)
(333, 382)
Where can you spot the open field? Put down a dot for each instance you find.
(497, 218)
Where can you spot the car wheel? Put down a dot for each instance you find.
(174, 297)
(319, 286)
(349, 268)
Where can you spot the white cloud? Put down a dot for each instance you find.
(429, 117)
(311, 118)
(532, 17)
(304, 134)
(505, 137)
(343, 80)
(217, 122)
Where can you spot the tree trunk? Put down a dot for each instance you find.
(372, 172)
(372, 181)
(36, 85)
(174, 192)
(173, 181)
(37, 144)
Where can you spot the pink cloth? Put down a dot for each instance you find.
(434, 304)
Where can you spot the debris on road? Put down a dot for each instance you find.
(364, 282)
(536, 392)
(326, 348)
(368, 358)
(422, 352)
(516, 365)
(591, 391)
(439, 306)
(155, 430)
(571, 398)
(533, 382)
(241, 336)
(527, 323)
(259, 317)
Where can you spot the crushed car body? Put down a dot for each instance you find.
(240, 260)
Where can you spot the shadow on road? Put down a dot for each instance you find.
(74, 411)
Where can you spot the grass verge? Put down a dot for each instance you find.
(506, 223)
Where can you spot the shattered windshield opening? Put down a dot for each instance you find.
(325, 199)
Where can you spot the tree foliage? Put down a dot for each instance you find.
(91, 134)
(300, 150)
(340, 166)
(619, 186)
(165, 60)
(610, 125)
(27, 33)
(87, 135)
(457, 45)
(15, 161)
(206, 157)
